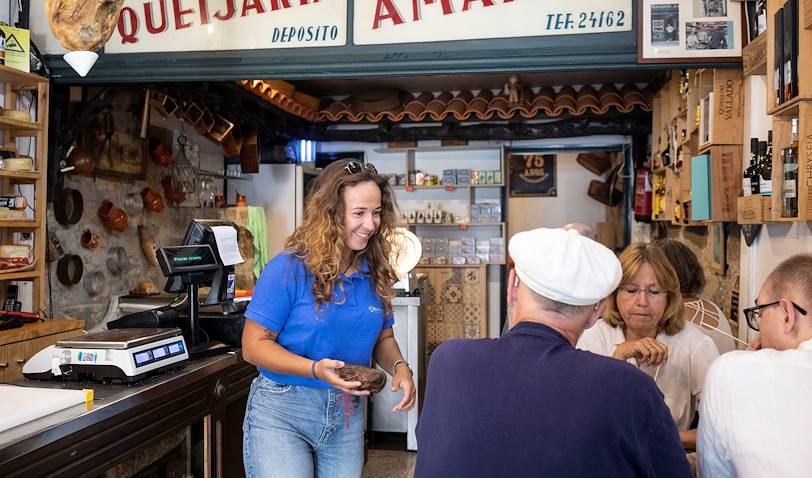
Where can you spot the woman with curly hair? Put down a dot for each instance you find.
(323, 303)
(644, 325)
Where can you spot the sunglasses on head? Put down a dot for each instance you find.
(355, 167)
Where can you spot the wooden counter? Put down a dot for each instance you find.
(124, 420)
(18, 345)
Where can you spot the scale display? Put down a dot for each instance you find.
(149, 356)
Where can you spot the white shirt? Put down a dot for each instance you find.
(701, 313)
(756, 415)
(690, 353)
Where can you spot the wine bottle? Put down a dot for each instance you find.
(748, 171)
(755, 178)
(789, 193)
(761, 16)
(765, 170)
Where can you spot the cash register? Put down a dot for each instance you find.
(154, 340)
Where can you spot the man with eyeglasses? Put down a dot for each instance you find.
(756, 409)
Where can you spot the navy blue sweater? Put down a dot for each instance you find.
(529, 404)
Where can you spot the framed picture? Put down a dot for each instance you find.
(717, 239)
(700, 31)
(113, 137)
(531, 174)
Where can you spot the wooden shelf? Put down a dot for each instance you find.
(13, 75)
(20, 176)
(789, 109)
(754, 56)
(32, 274)
(20, 128)
(19, 223)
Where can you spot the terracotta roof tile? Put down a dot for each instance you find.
(486, 105)
(272, 92)
(396, 106)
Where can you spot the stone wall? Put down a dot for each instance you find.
(718, 286)
(166, 228)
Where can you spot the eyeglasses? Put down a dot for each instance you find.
(354, 167)
(753, 314)
(652, 294)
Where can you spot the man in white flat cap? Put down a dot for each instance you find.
(529, 403)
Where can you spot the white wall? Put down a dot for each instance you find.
(41, 31)
(572, 204)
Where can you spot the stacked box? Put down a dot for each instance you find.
(449, 177)
(463, 177)
(497, 249)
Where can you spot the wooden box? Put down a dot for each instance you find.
(754, 57)
(755, 209)
(725, 181)
(727, 108)
(781, 139)
(804, 59)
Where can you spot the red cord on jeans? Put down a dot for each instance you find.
(349, 407)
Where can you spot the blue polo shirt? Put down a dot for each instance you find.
(345, 329)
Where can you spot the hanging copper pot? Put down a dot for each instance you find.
(113, 218)
(162, 155)
(81, 161)
(152, 200)
(171, 195)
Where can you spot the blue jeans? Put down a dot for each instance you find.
(295, 431)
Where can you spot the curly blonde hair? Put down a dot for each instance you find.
(319, 240)
(631, 259)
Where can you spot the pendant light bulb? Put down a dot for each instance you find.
(81, 61)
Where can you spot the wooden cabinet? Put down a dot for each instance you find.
(28, 92)
(701, 114)
(20, 344)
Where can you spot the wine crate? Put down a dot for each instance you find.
(754, 209)
(801, 109)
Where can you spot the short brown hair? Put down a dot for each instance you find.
(686, 265)
(631, 259)
(792, 278)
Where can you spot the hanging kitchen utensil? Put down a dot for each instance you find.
(165, 105)
(68, 210)
(152, 200)
(114, 219)
(117, 260)
(220, 129)
(147, 245)
(90, 239)
(249, 153)
(133, 204)
(94, 283)
(171, 195)
(184, 175)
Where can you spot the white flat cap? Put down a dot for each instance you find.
(565, 266)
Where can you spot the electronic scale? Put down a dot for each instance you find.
(125, 355)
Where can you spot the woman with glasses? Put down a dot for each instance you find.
(644, 326)
(701, 312)
(322, 303)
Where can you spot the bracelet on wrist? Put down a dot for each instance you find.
(313, 369)
(400, 362)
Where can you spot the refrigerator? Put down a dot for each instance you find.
(279, 190)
